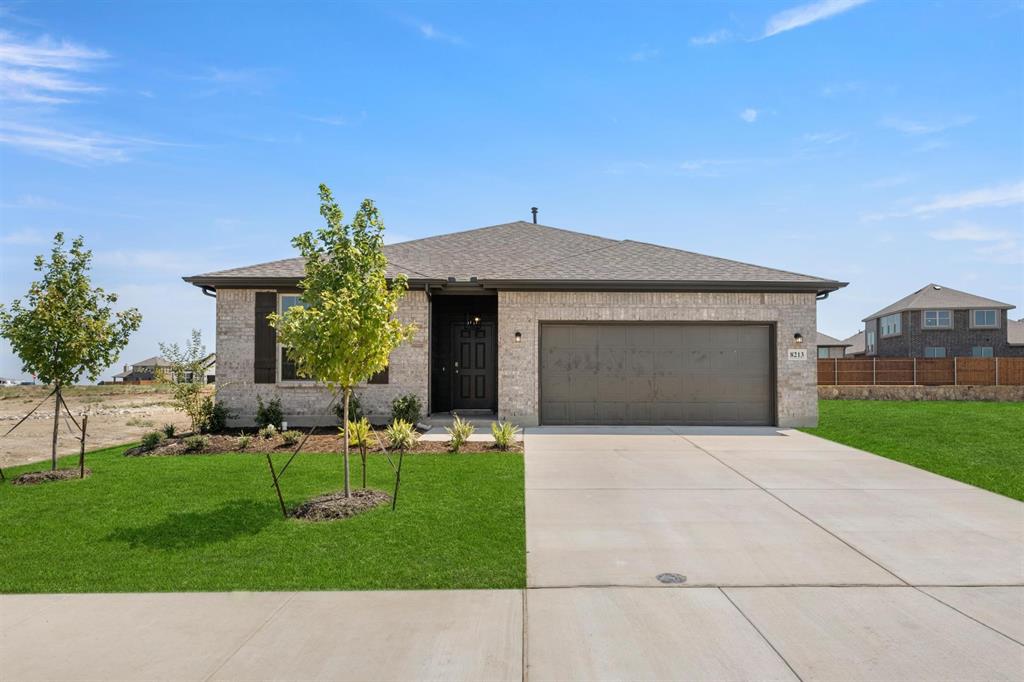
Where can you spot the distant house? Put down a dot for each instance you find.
(939, 322)
(1015, 332)
(147, 371)
(855, 345)
(829, 347)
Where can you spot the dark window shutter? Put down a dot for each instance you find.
(380, 377)
(264, 360)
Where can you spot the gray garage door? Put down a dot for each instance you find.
(655, 374)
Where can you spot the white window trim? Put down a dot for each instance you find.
(870, 342)
(287, 383)
(899, 326)
(827, 352)
(944, 355)
(990, 349)
(924, 319)
(996, 315)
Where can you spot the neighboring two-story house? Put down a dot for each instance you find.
(830, 347)
(939, 322)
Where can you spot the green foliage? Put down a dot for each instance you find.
(355, 409)
(291, 437)
(66, 329)
(168, 430)
(187, 377)
(216, 415)
(243, 441)
(195, 443)
(401, 434)
(346, 328)
(504, 434)
(407, 408)
(152, 440)
(267, 432)
(459, 433)
(269, 414)
(360, 432)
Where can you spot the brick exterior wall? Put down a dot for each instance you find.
(305, 404)
(522, 311)
(958, 341)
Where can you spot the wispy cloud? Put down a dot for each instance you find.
(75, 148)
(30, 201)
(248, 81)
(44, 71)
(992, 245)
(834, 89)
(645, 54)
(26, 237)
(749, 115)
(807, 14)
(998, 196)
(429, 31)
(914, 127)
(715, 37)
(328, 120)
(825, 137)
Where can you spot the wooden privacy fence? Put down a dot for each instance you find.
(921, 372)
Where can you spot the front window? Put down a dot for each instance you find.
(822, 352)
(870, 346)
(289, 372)
(983, 318)
(891, 325)
(938, 319)
(934, 352)
(981, 351)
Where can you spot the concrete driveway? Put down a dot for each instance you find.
(802, 558)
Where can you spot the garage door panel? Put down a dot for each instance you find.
(656, 374)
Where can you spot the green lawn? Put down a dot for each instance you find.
(213, 523)
(977, 443)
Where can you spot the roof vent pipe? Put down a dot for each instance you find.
(534, 212)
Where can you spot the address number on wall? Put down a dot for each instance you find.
(797, 353)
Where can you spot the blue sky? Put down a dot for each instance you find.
(874, 142)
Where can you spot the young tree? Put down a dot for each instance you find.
(66, 328)
(187, 375)
(346, 328)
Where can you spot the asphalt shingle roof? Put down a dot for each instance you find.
(525, 252)
(938, 296)
(855, 343)
(826, 340)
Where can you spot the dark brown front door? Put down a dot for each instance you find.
(473, 365)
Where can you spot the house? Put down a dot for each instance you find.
(147, 370)
(536, 324)
(1015, 332)
(855, 345)
(829, 347)
(939, 322)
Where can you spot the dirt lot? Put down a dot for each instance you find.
(117, 414)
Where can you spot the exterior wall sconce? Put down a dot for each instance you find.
(798, 337)
(519, 337)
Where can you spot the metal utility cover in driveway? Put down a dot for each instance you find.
(640, 373)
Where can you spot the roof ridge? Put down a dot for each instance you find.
(731, 260)
(491, 227)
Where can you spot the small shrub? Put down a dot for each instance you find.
(401, 434)
(269, 414)
(291, 437)
(407, 408)
(151, 440)
(504, 434)
(359, 433)
(195, 443)
(215, 415)
(355, 409)
(243, 441)
(168, 430)
(459, 433)
(267, 432)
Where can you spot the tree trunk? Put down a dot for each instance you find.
(56, 422)
(344, 417)
(362, 453)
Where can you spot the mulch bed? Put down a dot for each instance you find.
(327, 442)
(334, 506)
(34, 477)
